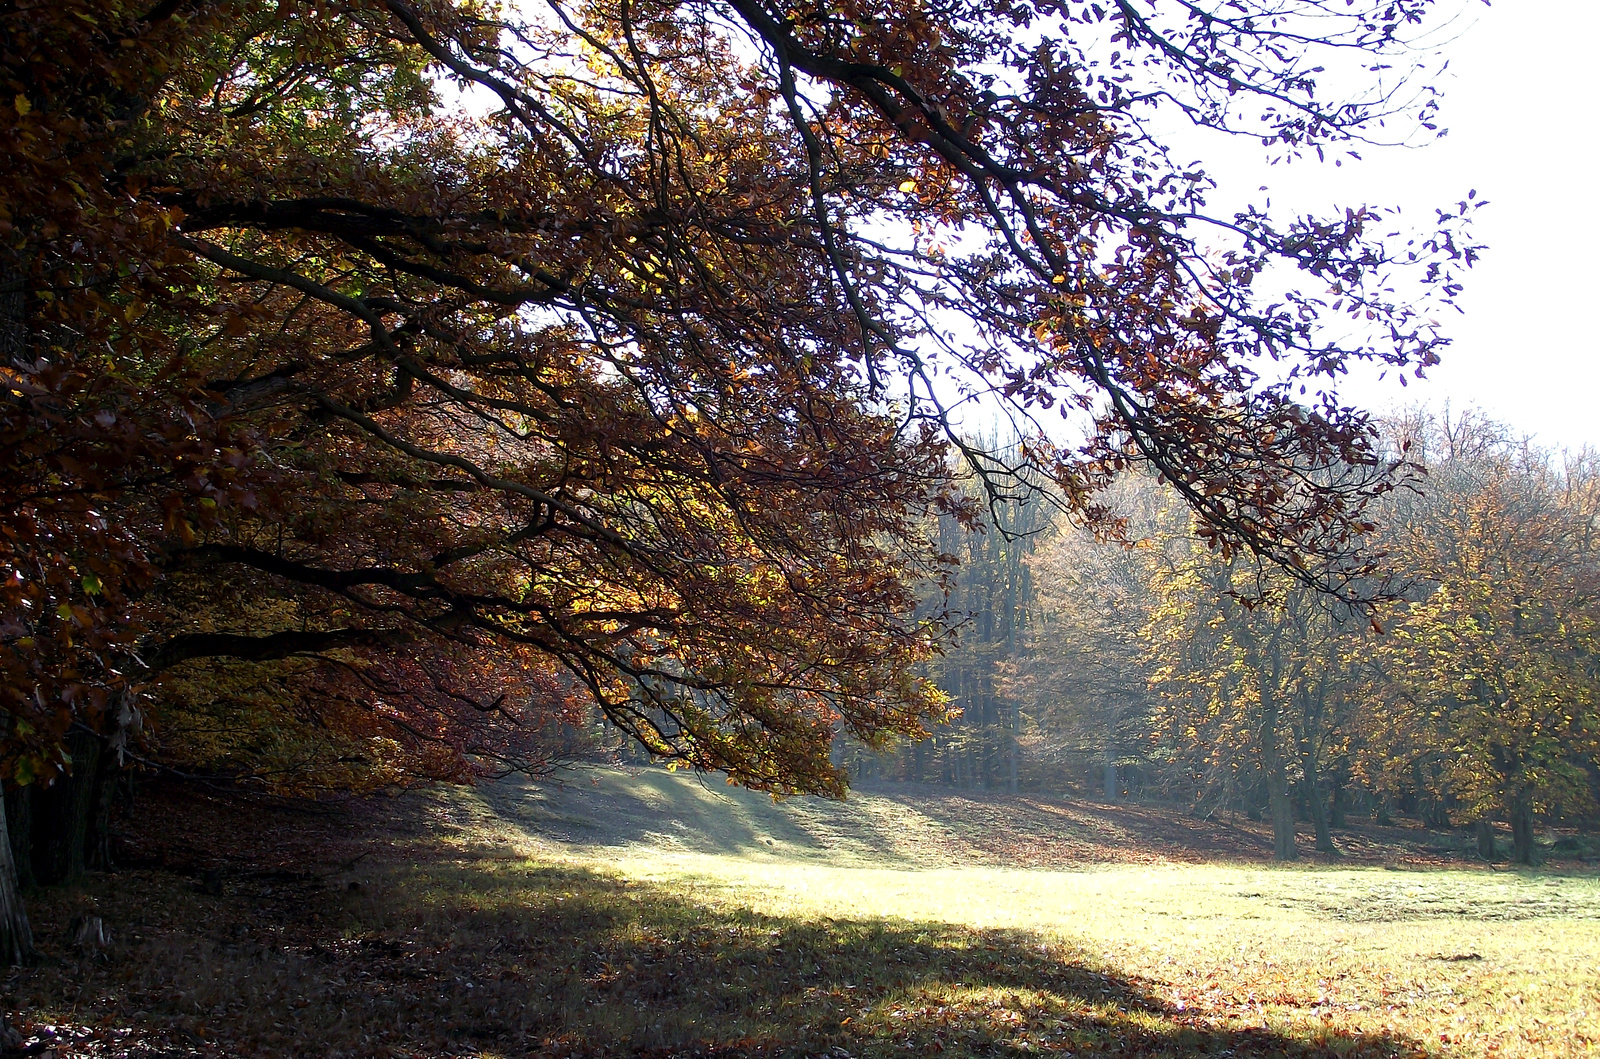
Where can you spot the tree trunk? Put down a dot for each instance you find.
(1318, 805)
(1282, 806)
(19, 817)
(1279, 801)
(1011, 751)
(97, 850)
(1485, 833)
(1522, 831)
(64, 815)
(1112, 781)
(16, 937)
(991, 746)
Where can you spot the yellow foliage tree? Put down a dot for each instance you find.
(1495, 664)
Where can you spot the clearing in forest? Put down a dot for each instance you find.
(653, 914)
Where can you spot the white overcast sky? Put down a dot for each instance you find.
(1523, 112)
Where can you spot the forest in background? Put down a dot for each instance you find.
(1158, 671)
(1166, 670)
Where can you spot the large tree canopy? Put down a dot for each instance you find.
(493, 360)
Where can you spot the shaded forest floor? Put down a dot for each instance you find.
(648, 914)
(924, 824)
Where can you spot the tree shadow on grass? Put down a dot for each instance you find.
(688, 810)
(496, 958)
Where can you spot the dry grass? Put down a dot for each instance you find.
(918, 825)
(687, 921)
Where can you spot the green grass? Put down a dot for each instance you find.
(653, 915)
(1468, 961)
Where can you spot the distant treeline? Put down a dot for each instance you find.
(1464, 696)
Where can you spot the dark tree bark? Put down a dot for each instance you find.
(262, 648)
(97, 850)
(64, 815)
(19, 817)
(1282, 807)
(1312, 698)
(1522, 850)
(1280, 803)
(1318, 804)
(16, 937)
(1274, 762)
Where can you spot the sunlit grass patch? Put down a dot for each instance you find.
(470, 932)
(1465, 961)
(499, 955)
(1474, 962)
(654, 966)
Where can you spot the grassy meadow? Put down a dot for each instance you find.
(655, 914)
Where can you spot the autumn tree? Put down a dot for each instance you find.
(1254, 671)
(508, 361)
(1485, 691)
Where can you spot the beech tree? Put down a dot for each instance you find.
(1254, 690)
(1485, 692)
(493, 362)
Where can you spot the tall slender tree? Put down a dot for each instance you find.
(1082, 676)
